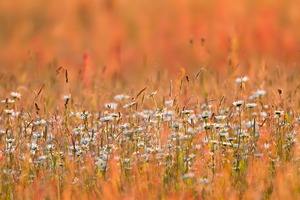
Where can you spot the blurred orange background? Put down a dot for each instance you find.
(125, 36)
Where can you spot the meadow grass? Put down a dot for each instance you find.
(192, 137)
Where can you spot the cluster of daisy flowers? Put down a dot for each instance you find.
(175, 139)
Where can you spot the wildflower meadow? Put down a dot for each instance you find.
(116, 103)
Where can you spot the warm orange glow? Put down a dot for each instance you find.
(125, 35)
